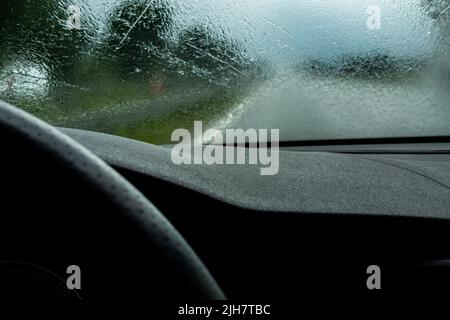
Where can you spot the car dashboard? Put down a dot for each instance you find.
(314, 228)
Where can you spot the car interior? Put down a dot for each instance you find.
(105, 106)
(106, 202)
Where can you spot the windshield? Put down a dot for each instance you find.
(315, 69)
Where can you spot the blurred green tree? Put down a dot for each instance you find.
(136, 42)
(36, 31)
(211, 56)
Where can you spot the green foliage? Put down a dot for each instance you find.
(35, 31)
(140, 76)
(136, 37)
(216, 59)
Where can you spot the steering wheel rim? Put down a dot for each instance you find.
(123, 195)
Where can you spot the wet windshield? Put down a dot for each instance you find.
(321, 69)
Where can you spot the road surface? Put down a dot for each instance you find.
(320, 108)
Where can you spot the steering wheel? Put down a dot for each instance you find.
(66, 217)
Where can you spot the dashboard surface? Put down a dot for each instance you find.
(307, 182)
(311, 230)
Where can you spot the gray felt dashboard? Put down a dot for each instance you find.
(308, 182)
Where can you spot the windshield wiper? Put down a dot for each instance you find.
(406, 145)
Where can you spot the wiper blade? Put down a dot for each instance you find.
(402, 145)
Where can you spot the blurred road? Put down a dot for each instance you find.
(321, 108)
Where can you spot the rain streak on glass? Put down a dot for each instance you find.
(321, 69)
